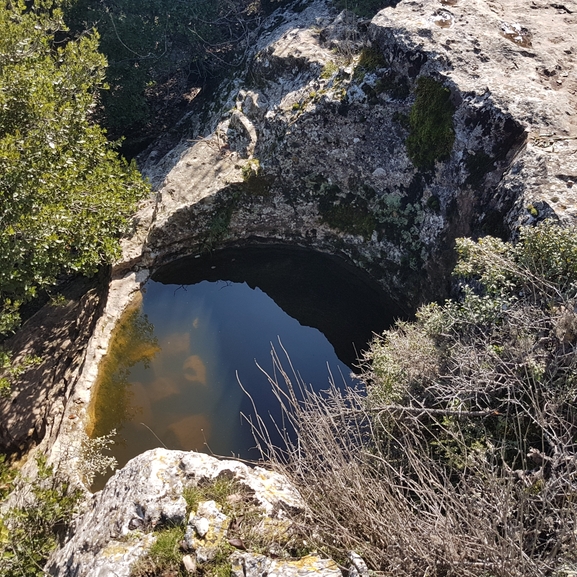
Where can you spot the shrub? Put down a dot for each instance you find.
(364, 8)
(157, 50)
(329, 69)
(66, 196)
(30, 530)
(92, 459)
(459, 457)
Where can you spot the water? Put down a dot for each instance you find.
(171, 376)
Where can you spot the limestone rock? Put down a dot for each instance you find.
(57, 336)
(206, 531)
(201, 526)
(330, 134)
(358, 566)
(502, 57)
(189, 563)
(116, 528)
(254, 565)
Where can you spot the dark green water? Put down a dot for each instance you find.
(171, 374)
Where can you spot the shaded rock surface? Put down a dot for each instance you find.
(56, 337)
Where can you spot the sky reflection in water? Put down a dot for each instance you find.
(184, 392)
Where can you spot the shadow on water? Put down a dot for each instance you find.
(318, 290)
(170, 377)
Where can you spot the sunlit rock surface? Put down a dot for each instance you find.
(254, 565)
(329, 136)
(116, 529)
(515, 58)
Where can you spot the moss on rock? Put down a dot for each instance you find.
(349, 213)
(431, 134)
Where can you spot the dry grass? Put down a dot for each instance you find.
(409, 489)
(458, 456)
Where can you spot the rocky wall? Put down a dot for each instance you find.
(309, 145)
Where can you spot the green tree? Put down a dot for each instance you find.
(157, 50)
(65, 195)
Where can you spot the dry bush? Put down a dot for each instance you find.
(402, 361)
(413, 491)
(458, 455)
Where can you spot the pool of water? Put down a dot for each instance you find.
(172, 374)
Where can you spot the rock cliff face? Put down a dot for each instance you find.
(58, 335)
(308, 145)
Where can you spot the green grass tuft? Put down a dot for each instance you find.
(371, 59)
(328, 70)
(217, 490)
(165, 551)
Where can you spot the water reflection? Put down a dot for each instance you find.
(195, 370)
(119, 398)
(170, 377)
(191, 433)
(177, 387)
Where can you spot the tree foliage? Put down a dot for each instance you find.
(364, 8)
(65, 194)
(158, 49)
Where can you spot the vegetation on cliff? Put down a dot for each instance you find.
(66, 195)
(36, 523)
(459, 458)
(365, 8)
(431, 134)
(160, 53)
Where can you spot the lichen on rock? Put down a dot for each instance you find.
(123, 521)
(254, 565)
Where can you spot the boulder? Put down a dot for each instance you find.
(116, 528)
